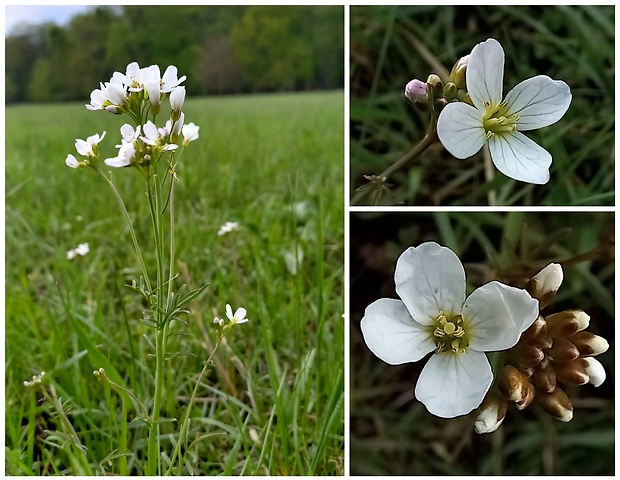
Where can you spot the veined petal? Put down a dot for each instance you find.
(429, 279)
(518, 157)
(485, 73)
(496, 315)
(460, 129)
(392, 335)
(454, 384)
(539, 102)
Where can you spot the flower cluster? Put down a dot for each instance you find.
(82, 249)
(555, 349)
(238, 317)
(473, 112)
(136, 93)
(434, 315)
(36, 379)
(227, 228)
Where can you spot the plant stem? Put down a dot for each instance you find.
(185, 423)
(136, 246)
(429, 138)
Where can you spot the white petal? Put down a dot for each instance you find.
(496, 315)
(71, 161)
(430, 278)
(518, 157)
(117, 162)
(82, 147)
(392, 335)
(460, 129)
(595, 371)
(485, 73)
(240, 313)
(229, 313)
(454, 384)
(150, 130)
(539, 102)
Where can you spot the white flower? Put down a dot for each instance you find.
(71, 161)
(88, 147)
(169, 80)
(129, 134)
(227, 228)
(190, 133)
(534, 103)
(110, 97)
(126, 155)
(82, 249)
(152, 137)
(238, 317)
(35, 379)
(177, 126)
(434, 315)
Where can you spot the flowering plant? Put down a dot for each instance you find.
(468, 112)
(155, 154)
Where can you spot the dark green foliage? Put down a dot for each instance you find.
(222, 49)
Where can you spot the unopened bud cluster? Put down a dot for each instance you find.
(434, 93)
(556, 349)
(36, 379)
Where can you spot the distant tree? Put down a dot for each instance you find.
(217, 68)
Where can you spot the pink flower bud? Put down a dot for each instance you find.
(416, 91)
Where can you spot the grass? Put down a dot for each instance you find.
(390, 45)
(393, 434)
(273, 403)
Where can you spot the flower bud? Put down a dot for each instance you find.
(457, 76)
(436, 84)
(574, 372)
(516, 387)
(537, 334)
(556, 404)
(563, 351)
(449, 91)
(416, 91)
(567, 322)
(529, 354)
(545, 284)
(589, 344)
(544, 379)
(491, 413)
(595, 371)
(177, 99)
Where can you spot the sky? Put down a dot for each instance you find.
(34, 14)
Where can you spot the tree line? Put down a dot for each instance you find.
(222, 49)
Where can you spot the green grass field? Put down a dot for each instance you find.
(390, 45)
(273, 403)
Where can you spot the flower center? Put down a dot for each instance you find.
(496, 119)
(449, 334)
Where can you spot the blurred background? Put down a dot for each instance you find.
(222, 49)
(391, 45)
(393, 434)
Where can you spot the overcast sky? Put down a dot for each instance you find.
(33, 14)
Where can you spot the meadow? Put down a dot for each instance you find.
(391, 45)
(273, 401)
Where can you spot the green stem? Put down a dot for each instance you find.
(136, 246)
(185, 422)
(427, 141)
(162, 332)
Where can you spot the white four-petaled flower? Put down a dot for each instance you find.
(190, 133)
(238, 317)
(88, 147)
(434, 315)
(534, 103)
